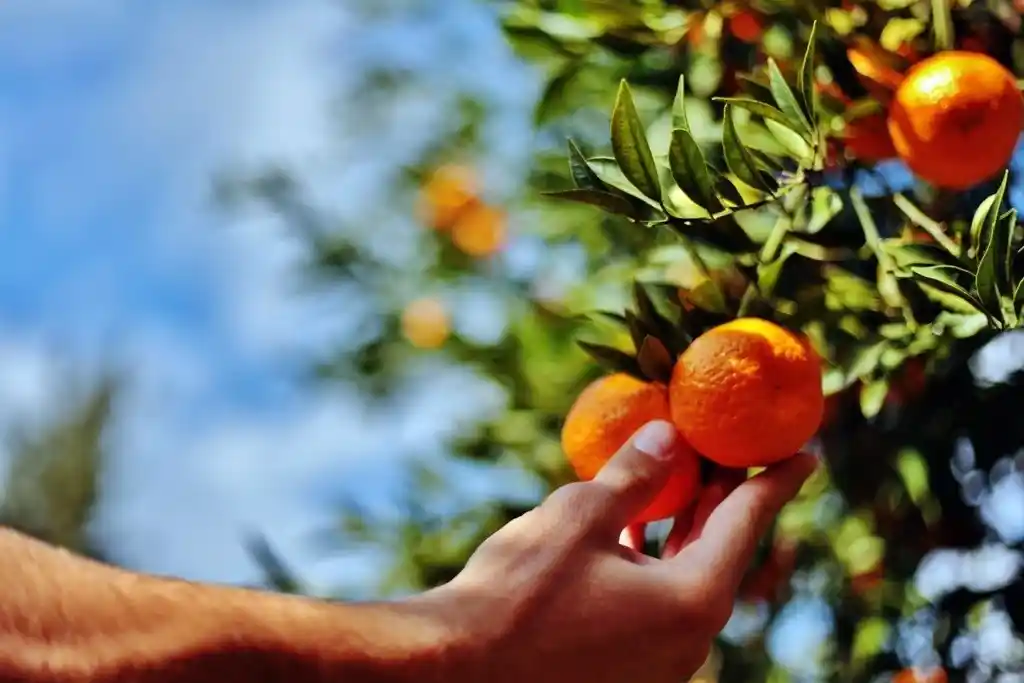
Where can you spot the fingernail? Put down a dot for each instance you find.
(656, 439)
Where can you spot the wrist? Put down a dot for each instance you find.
(417, 640)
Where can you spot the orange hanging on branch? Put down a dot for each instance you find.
(956, 119)
(747, 393)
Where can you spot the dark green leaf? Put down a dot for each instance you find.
(785, 98)
(648, 312)
(611, 358)
(727, 190)
(807, 73)
(637, 330)
(553, 97)
(690, 171)
(737, 157)
(655, 360)
(583, 176)
(991, 279)
(905, 255)
(611, 203)
(947, 279)
(629, 142)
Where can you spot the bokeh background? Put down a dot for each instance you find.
(211, 223)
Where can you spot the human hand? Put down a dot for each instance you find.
(556, 595)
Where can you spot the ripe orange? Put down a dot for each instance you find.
(425, 323)
(747, 393)
(747, 26)
(480, 230)
(603, 418)
(956, 118)
(934, 675)
(448, 192)
(867, 139)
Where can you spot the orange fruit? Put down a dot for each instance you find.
(867, 139)
(934, 675)
(425, 323)
(746, 26)
(956, 118)
(604, 417)
(446, 194)
(747, 393)
(480, 230)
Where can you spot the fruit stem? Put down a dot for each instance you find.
(925, 222)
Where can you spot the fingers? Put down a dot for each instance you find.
(732, 531)
(689, 526)
(631, 479)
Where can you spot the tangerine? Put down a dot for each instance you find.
(447, 193)
(747, 393)
(425, 323)
(604, 417)
(956, 118)
(480, 230)
(913, 675)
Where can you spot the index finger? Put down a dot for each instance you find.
(727, 545)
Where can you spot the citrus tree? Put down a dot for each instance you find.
(818, 193)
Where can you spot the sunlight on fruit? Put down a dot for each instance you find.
(426, 323)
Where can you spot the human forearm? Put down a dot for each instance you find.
(67, 620)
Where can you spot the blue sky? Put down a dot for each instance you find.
(113, 119)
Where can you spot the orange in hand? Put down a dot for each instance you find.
(747, 393)
(956, 119)
(604, 417)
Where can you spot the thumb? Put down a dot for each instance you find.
(633, 477)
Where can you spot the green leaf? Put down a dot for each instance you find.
(942, 25)
(785, 98)
(872, 397)
(583, 176)
(727, 190)
(768, 273)
(991, 280)
(865, 360)
(679, 119)
(629, 143)
(825, 205)
(794, 142)
(612, 203)
(906, 255)
(762, 109)
(807, 73)
(649, 314)
(655, 360)
(611, 358)
(737, 158)
(947, 279)
(690, 171)
(553, 97)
